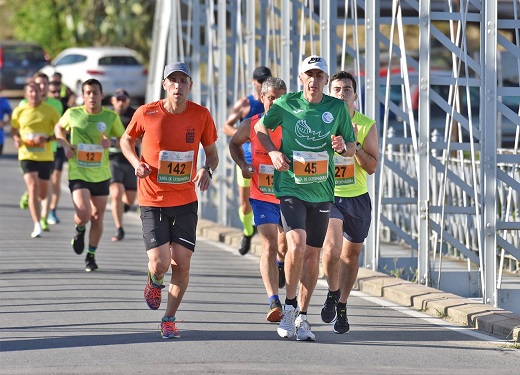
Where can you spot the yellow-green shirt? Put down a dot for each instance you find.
(90, 162)
(32, 121)
(358, 185)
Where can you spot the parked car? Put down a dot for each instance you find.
(114, 67)
(18, 62)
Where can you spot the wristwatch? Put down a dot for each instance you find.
(210, 171)
(359, 146)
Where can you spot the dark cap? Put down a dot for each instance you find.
(121, 94)
(176, 66)
(261, 74)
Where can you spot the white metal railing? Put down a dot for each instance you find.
(454, 194)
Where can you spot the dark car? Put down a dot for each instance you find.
(18, 62)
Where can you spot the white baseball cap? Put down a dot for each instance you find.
(314, 62)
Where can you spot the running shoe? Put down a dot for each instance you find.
(287, 328)
(341, 325)
(45, 225)
(245, 244)
(168, 329)
(120, 235)
(152, 293)
(275, 311)
(52, 219)
(90, 263)
(37, 232)
(126, 208)
(328, 311)
(281, 276)
(24, 201)
(303, 329)
(78, 241)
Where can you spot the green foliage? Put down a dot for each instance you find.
(59, 24)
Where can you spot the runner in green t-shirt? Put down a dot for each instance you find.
(90, 128)
(314, 125)
(351, 213)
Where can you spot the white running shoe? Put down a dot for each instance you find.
(37, 231)
(286, 328)
(303, 329)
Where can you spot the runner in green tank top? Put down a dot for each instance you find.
(314, 125)
(350, 215)
(90, 128)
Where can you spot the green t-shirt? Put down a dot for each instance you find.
(90, 163)
(307, 130)
(356, 184)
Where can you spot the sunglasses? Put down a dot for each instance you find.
(55, 92)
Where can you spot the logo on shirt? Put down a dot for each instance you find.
(304, 131)
(190, 135)
(101, 126)
(327, 117)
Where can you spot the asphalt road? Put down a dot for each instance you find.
(57, 319)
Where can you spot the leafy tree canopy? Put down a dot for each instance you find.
(59, 24)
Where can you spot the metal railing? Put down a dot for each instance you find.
(432, 73)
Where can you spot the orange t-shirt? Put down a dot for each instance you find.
(262, 182)
(170, 145)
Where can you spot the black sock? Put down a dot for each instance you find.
(335, 293)
(292, 302)
(303, 312)
(342, 305)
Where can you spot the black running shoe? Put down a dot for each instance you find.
(90, 263)
(126, 208)
(281, 276)
(245, 245)
(328, 311)
(341, 325)
(78, 241)
(120, 235)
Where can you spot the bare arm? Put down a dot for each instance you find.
(368, 156)
(203, 178)
(280, 161)
(235, 148)
(61, 136)
(127, 144)
(239, 111)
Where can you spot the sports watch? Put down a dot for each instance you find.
(210, 171)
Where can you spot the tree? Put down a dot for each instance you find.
(59, 24)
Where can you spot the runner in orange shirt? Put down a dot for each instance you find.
(171, 130)
(266, 208)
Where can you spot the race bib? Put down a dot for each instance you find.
(310, 167)
(89, 156)
(30, 143)
(344, 170)
(175, 167)
(265, 178)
